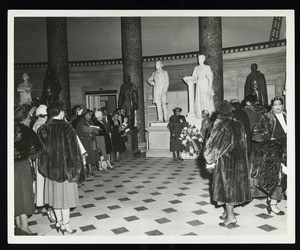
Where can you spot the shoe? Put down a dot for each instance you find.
(50, 216)
(109, 166)
(180, 159)
(175, 159)
(58, 226)
(223, 217)
(228, 225)
(91, 173)
(63, 229)
(23, 232)
(269, 208)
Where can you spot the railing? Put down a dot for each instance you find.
(243, 48)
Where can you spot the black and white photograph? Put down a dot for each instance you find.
(151, 126)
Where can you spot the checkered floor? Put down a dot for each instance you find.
(157, 196)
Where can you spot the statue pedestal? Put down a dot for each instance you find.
(132, 143)
(159, 140)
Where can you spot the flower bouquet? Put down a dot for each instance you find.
(191, 139)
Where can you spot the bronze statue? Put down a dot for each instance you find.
(256, 85)
(51, 88)
(128, 99)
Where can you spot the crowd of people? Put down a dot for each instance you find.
(53, 154)
(244, 146)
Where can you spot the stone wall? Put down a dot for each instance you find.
(271, 62)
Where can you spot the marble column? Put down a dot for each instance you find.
(133, 65)
(210, 45)
(57, 49)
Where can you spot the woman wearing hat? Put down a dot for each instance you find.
(41, 113)
(176, 124)
(104, 141)
(61, 162)
(226, 150)
(26, 149)
(87, 135)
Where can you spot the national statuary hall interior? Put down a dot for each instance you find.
(148, 195)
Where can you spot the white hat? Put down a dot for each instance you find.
(98, 113)
(80, 112)
(41, 110)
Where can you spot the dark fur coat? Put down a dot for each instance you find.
(60, 158)
(267, 155)
(26, 142)
(227, 148)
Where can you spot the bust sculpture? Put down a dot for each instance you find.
(160, 80)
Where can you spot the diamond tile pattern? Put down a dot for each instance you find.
(157, 197)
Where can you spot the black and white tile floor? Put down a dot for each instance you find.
(157, 196)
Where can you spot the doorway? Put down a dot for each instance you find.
(98, 99)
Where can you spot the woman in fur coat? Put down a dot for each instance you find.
(268, 154)
(61, 163)
(226, 149)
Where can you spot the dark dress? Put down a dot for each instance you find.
(227, 148)
(104, 131)
(176, 124)
(88, 139)
(26, 145)
(116, 138)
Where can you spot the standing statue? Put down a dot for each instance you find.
(128, 99)
(51, 88)
(256, 85)
(24, 89)
(204, 89)
(160, 80)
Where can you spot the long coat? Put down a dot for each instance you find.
(87, 136)
(227, 148)
(176, 124)
(267, 154)
(60, 159)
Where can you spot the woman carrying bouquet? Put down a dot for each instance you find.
(176, 124)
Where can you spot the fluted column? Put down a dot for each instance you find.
(57, 49)
(210, 45)
(133, 64)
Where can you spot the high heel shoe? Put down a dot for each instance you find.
(223, 217)
(63, 229)
(269, 208)
(228, 225)
(58, 226)
(50, 218)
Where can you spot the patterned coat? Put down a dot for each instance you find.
(227, 148)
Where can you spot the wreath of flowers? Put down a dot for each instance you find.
(191, 139)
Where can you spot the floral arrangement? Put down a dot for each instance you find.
(191, 139)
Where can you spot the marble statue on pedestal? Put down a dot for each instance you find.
(24, 89)
(160, 80)
(204, 88)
